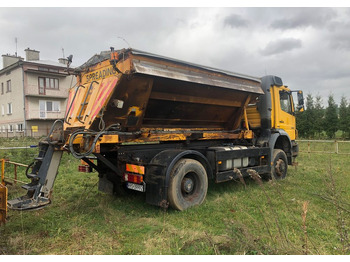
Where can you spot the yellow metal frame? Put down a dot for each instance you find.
(3, 204)
(3, 194)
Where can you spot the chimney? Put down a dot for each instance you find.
(10, 59)
(63, 61)
(32, 55)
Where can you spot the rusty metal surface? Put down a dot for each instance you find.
(123, 54)
(3, 204)
(150, 102)
(2, 171)
(229, 81)
(156, 65)
(149, 91)
(193, 65)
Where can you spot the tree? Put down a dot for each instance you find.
(331, 118)
(319, 115)
(301, 123)
(344, 118)
(348, 120)
(303, 118)
(309, 117)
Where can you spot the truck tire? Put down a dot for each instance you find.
(280, 164)
(188, 184)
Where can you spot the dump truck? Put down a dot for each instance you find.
(166, 127)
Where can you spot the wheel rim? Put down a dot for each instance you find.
(188, 185)
(280, 167)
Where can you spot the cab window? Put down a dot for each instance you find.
(286, 105)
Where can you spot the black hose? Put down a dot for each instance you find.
(97, 136)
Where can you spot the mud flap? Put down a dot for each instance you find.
(105, 185)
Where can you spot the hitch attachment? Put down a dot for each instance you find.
(43, 174)
(42, 178)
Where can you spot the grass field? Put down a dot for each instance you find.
(307, 213)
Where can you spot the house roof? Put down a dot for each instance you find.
(47, 62)
(37, 62)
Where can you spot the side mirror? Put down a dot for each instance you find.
(300, 106)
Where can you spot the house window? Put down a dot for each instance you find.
(2, 110)
(10, 128)
(43, 69)
(53, 70)
(8, 89)
(47, 83)
(47, 107)
(2, 88)
(41, 85)
(19, 127)
(9, 108)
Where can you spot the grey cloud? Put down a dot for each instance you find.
(303, 17)
(235, 21)
(281, 46)
(319, 59)
(338, 36)
(340, 41)
(86, 31)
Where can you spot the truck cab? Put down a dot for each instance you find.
(283, 111)
(273, 115)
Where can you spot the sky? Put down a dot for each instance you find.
(308, 47)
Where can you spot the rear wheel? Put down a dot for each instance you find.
(188, 184)
(280, 164)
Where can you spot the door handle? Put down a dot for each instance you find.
(281, 121)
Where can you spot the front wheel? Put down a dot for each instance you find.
(188, 184)
(280, 164)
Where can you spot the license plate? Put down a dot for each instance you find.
(136, 187)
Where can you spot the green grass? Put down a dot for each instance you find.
(234, 219)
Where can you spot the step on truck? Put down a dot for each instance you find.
(166, 127)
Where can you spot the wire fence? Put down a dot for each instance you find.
(339, 147)
(33, 132)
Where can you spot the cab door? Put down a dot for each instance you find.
(284, 111)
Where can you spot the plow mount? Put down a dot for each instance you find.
(42, 177)
(43, 173)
